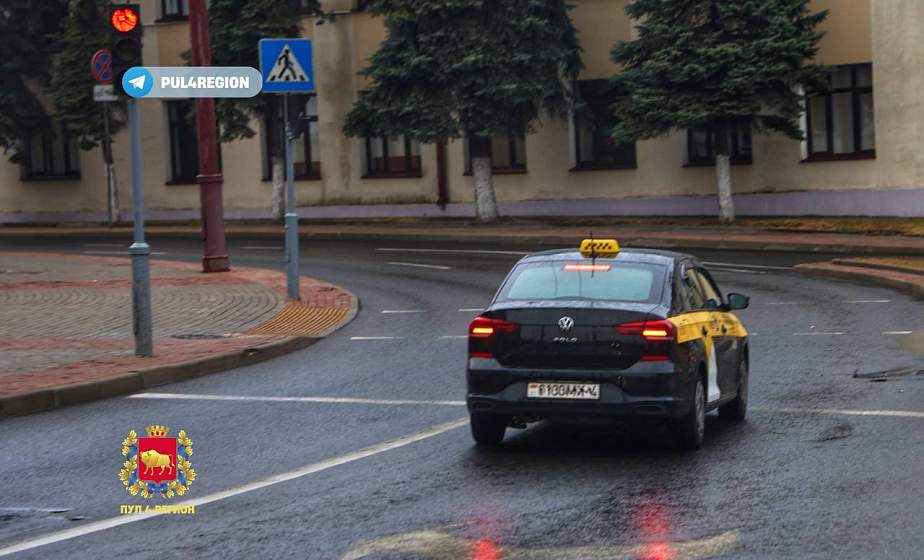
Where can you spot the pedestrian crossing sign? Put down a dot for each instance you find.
(286, 65)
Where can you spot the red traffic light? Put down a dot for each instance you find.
(124, 19)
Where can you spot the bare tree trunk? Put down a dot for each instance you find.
(485, 201)
(723, 175)
(279, 185)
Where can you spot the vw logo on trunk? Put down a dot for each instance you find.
(565, 324)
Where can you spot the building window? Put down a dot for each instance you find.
(701, 145)
(303, 111)
(840, 120)
(594, 145)
(175, 9)
(50, 153)
(508, 155)
(392, 157)
(184, 147)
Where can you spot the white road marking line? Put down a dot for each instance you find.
(898, 332)
(463, 251)
(323, 400)
(420, 265)
(833, 333)
(112, 522)
(868, 301)
(838, 412)
(120, 253)
(262, 248)
(757, 266)
(376, 338)
(393, 311)
(471, 310)
(453, 336)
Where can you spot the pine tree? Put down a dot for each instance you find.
(235, 28)
(25, 30)
(468, 68)
(716, 64)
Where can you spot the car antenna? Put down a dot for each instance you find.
(593, 254)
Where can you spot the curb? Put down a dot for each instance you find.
(864, 275)
(877, 266)
(21, 404)
(679, 242)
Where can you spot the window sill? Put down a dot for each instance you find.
(183, 181)
(611, 167)
(44, 178)
(840, 157)
(297, 178)
(411, 175)
(712, 163)
(503, 171)
(172, 19)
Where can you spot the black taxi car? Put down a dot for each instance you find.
(602, 333)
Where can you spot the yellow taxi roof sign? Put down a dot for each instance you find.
(599, 248)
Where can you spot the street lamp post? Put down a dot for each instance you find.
(215, 253)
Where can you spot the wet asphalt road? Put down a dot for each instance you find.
(806, 476)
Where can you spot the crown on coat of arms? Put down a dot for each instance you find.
(157, 431)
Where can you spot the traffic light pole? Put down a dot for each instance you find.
(291, 216)
(210, 179)
(139, 250)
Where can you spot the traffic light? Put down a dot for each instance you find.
(125, 32)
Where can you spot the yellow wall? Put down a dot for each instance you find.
(886, 32)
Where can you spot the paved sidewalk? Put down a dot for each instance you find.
(66, 325)
(665, 236)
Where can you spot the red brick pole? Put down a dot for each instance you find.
(215, 252)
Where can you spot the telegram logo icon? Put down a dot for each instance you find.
(137, 81)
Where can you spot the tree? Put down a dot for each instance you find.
(235, 28)
(25, 30)
(716, 64)
(71, 90)
(468, 68)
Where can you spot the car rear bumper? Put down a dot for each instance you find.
(654, 389)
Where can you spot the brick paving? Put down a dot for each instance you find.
(67, 318)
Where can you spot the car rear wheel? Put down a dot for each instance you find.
(690, 429)
(737, 409)
(488, 429)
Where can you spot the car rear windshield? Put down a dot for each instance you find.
(609, 281)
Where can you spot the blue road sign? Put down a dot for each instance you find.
(286, 65)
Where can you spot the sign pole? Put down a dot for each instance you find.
(139, 250)
(291, 216)
(111, 195)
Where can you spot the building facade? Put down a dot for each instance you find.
(863, 153)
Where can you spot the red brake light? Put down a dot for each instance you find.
(650, 330)
(484, 327)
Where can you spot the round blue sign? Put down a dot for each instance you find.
(137, 81)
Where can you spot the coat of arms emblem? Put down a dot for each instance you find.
(158, 464)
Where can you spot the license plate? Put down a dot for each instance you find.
(581, 391)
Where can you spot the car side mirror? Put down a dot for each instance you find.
(738, 301)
